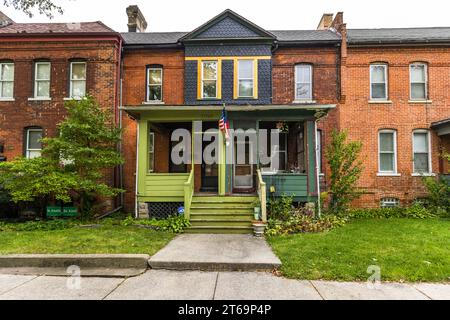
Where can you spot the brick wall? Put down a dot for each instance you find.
(363, 120)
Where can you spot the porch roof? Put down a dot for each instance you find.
(137, 111)
(441, 127)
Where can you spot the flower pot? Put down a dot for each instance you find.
(258, 229)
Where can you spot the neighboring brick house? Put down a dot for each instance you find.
(44, 64)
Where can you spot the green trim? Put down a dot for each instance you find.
(311, 149)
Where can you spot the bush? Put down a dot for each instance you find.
(175, 224)
(439, 195)
(281, 208)
(303, 224)
(416, 211)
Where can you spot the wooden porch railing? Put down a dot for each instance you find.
(262, 193)
(188, 194)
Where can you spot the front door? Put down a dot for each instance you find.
(244, 162)
(210, 172)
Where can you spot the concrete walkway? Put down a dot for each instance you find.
(186, 285)
(216, 252)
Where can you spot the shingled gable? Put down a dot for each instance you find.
(228, 26)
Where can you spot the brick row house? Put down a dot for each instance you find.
(387, 87)
(42, 65)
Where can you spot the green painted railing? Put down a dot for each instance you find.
(188, 195)
(262, 193)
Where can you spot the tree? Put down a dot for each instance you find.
(87, 144)
(46, 7)
(346, 169)
(73, 164)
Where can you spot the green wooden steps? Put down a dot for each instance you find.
(222, 215)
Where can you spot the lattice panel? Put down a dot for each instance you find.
(163, 210)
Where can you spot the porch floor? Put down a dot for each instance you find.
(216, 252)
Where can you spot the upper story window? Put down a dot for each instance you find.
(78, 79)
(42, 79)
(6, 80)
(387, 152)
(422, 152)
(33, 146)
(155, 84)
(378, 82)
(303, 82)
(418, 81)
(246, 74)
(209, 79)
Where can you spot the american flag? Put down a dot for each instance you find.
(224, 126)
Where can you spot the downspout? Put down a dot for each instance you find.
(120, 84)
(136, 212)
(319, 208)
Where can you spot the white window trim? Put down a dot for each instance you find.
(430, 162)
(386, 83)
(28, 149)
(310, 97)
(36, 80)
(2, 98)
(411, 99)
(72, 97)
(216, 79)
(252, 79)
(387, 173)
(154, 85)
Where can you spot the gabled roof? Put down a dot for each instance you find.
(253, 31)
(55, 28)
(399, 35)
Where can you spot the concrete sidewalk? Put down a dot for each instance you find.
(187, 285)
(216, 252)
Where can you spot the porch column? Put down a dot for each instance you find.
(142, 210)
(311, 158)
(222, 165)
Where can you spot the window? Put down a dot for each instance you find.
(33, 143)
(282, 151)
(155, 80)
(319, 150)
(42, 79)
(378, 82)
(388, 151)
(421, 149)
(151, 151)
(418, 79)
(209, 79)
(246, 74)
(6, 80)
(389, 203)
(303, 82)
(77, 79)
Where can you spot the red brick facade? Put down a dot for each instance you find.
(102, 56)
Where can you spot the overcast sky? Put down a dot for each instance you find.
(167, 15)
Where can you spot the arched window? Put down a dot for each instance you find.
(379, 81)
(418, 73)
(303, 82)
(154, 83)
(6, 80)
(32, 142)
(387, 152)
(78, 78)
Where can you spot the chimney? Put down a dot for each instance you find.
(325, 22)
(5, 20)
(136, 20)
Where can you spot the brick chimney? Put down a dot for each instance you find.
(5, 20)
(325, 22)
(136, 20)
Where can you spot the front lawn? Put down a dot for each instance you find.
(405, 249)
(108, 239)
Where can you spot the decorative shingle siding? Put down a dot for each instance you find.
(228, 50)
(264, 84)
(228, 28)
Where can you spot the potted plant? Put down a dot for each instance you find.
(258, 228)
(257, 208)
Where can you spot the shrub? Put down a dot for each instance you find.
(417, 211)
(439, 195)
(175, 224)
(303, 224)
(281, 208)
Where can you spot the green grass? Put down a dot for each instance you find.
(105, 239)
(405, 249)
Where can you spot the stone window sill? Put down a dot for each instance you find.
(75, 98)
(7, 99)
(388, 174)
(304, 102)
(151, 103)
(380, 102)
(39, 99)
(424, 175)
(420, 101)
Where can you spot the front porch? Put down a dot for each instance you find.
(220, 196)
